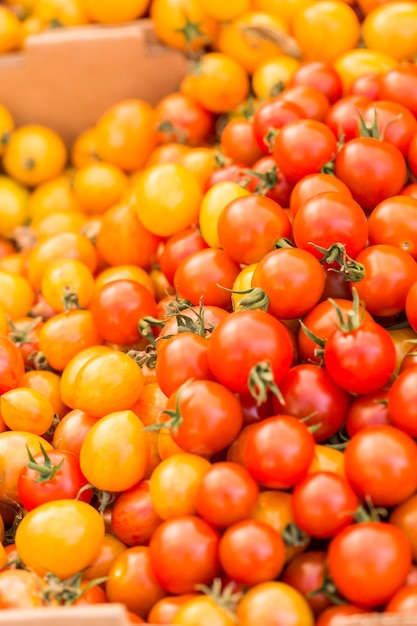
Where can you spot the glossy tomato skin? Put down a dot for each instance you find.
(404, 601)
(248, 228)
(177, 248)
(412, 155)
(402, 401)
(332, 615)
(303, 147)
(380, 549)
(118, 307)
(368, 85)
(330, 218)
(306, 574)
(308, 390)
(12, 366)
(404, 516)
(239, 143)
(313, 185)
(279, 451)
(273, 114)
(343, 117)
(293, 280)
(372, 169)
(272, 604)
(400, 85)
(394, 222)
(370, 409)
(395, 123)
(133, 517)
(211, 417)
(234, 348)
(411, 306)
(311, 101)
(64, 485)
(251, 552)
(362, 360)
(182, 540)
(323, 504)
(389, 274)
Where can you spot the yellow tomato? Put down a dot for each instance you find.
(327, 460)
(14, 263)
(174, 485)
(6, 127)
(359, 62)
(84, 149)
(34, 155)
(272, 74)
(57, 223)
(47, 383)
(4, 322)
(54, 195)
(11, 31)
(225, 11)
(199, 161)
(109, 550)
(243, 44)
(214, 201)
(99, 186)
(291, 606)
(242, 282)
(326, 29)
(61, 537)
(71, 371)
(392, 29)
(115, 452)
(111, 12)
(285, 9)
(26, 410)
(13, 205)
(167, 199)
(61, 12)
(14, 457)
(182, 24)
(16, 294)
(66, 281)
(106, 383)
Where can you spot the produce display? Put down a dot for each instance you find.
(208, 323)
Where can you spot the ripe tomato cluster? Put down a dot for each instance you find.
(208, 311)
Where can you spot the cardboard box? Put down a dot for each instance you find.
(379, 619)
(67, 77)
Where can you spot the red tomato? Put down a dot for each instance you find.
(393, 122)
(239, 360)
(404, 601)
(411, 189)
(248, 228)
(185, 540)
(234, 172)
(402, 401)
(412, 155)
(204, 417)
(400, 85)
(368, 85)
(182, 119)
(381, 463)
(369, 562)
(310, 100)
(273, 182)
(252, 552)
(411, 306)
(227, 494)
(313, 185)
(177, 248)
(278, 451)
(52, 475)
(238, 141)
(332, 615)
(303, 147)
(273, 115)
(329, 218)
(292, 279)
(372, 169)
(180, 358)
(343, 116)
(118, 307)
(308, 390)
(322, 77)
(306, 573)
(360, 360)
(368, 410)
(133, 517)
(12, 366)
(199, 275)
(394, 221)
(389, 274)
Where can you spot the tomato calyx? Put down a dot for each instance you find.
(319, 341)
(227, 599)
(145, 328)
(328, 588)
(267, 180)
(368, 513)
(104, 498)
(47, 471)
(260, 381)
(246, 109)
(173, 424)
(354, 316)
(371, 129)
(191, 32)
(39, 361)
(172, 132)
(144, 357)
(67, 592)
(294, 537)
(70, 299)
(19, 513)
(5, 138)
(22, 336)
(352, 270)
(256, 298)
(29, 164)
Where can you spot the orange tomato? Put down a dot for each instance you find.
(182, 24)
(150, 404)
(58, 222)
(201, 162)
(71, 431)
(46, 383)
(73, 368)
(16, 294)
(6, 127)
(62, 12)
(109, 12)
(55, 195)
(392, 29)
(34, 155)
(13, 205)
(272, 74)
(84, 149)
(26, 410)
(165, 153)
(164, 611)
(99, 186)
(124, 272)
(101, 564)
(285, 9)
(11, 31)
(167, 446)
(14, 263)
(126, 134)
(355, 63)
(66, 283)
(327, 460)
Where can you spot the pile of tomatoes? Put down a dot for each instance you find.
(208, 319)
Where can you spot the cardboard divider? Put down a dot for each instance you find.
(378, 619)
(93, 615)
(67, 77)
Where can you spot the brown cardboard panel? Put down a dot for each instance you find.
(66, 78)
(378, 619)
(100, 614)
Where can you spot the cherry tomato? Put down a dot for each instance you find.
(321, 76)
(394, 222)
(313, 185)
(11, 365)
(273, 115)
(306, 573)
(239, 143)
(133, 517)
(177, 248)
(404, 517)
(401, 403)
(400, 85)
(393, 122)
(273, 603)
(311, 101)
(370, 409)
